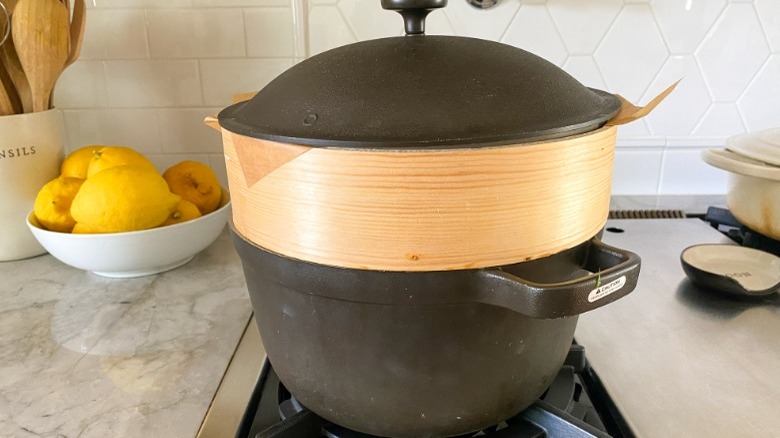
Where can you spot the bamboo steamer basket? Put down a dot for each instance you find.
(323, 166)
(412, 211)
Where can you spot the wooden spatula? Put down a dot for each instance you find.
(77, 26)
(41, 35)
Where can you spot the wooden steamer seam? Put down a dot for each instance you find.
(425, 210)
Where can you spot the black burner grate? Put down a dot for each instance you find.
(563, 411)
(722, 220)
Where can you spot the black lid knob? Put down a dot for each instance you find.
(414, 12)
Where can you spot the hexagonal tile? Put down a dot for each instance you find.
(769, 13)
(760, 105)
(733, 52)
(721, 120)
(636, 134)
(632, 52)
(681, 111)
(585, 70)
(369, 20)
(684, 23)
(533, 30)
(327, 29)
(583, 24)
(438, 24)
(487, 24)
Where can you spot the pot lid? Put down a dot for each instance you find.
(762, 145)
(740, 164)
(420, 91)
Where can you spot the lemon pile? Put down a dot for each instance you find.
(110, 189)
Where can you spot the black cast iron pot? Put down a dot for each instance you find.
(426, 354)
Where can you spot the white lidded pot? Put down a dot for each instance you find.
(753, 163)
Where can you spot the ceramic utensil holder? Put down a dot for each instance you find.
(31, 150)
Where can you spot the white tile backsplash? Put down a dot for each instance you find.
(150, 70)
(196, 33)
(328, 29)
(585, 70)
(533, 30)
(153, 83)
(269, 32)
(679, 113)
(142, 3)
(632, 52)
(115, 34)
(721, 120)
(760, 104)
(82, 85)
(769, 14)
(733, 52)
(137, 128)
(684, 172)
(368, 21)
(222, 78)
(636, 172)
(182, 131)
(582, 24)
(684, 24)
(489, 24)
(240, 3)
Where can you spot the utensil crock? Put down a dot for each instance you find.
(31, 150)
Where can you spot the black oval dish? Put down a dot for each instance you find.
(732, 269)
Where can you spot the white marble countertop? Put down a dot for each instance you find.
(86, 356)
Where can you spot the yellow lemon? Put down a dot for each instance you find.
(81, 229)
(77, 162)
(107, 157)
(195, 182)
(123, 198)
(183, 212)
(52, 204)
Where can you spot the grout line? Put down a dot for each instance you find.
(762, 27)
(660, 31)
(701, 119)
(604, 36)
(347, 22)
(511, 21)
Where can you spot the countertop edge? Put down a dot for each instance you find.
(234, 391)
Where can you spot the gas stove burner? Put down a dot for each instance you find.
(565, 410)
(722, 220)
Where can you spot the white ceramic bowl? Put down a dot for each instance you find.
(134, 253)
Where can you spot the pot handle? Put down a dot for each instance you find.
(613, 274)
(213, 122)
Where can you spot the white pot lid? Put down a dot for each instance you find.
(740, 164)
(762, 145)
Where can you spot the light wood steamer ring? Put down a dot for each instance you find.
(420, 210)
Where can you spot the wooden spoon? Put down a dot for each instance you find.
(9, 100)
(14, 67)
(77, 31)
(41, 34)
(10, 59)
